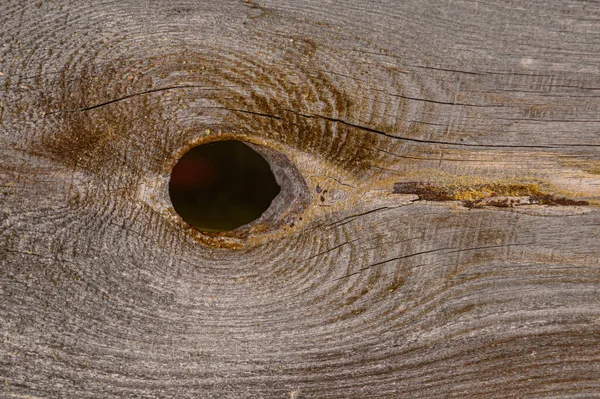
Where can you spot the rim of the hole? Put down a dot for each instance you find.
(289, 204)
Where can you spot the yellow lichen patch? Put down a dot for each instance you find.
(481, 191)
(473, 190)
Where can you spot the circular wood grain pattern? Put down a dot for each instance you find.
(480, 277)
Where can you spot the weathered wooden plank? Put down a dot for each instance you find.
(451, 248)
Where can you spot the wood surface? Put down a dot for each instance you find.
(439, 235)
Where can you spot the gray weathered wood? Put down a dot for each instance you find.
(454, 251)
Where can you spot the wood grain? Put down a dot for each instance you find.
(444, 242)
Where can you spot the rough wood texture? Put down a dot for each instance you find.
(450, 246)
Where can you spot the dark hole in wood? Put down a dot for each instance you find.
(222, 185)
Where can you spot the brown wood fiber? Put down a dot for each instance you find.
(448, 245)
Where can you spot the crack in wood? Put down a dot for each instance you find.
(127, 97)
(481, 195)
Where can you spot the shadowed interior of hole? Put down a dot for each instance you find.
(222, 185)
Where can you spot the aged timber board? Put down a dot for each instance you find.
(447, 243)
